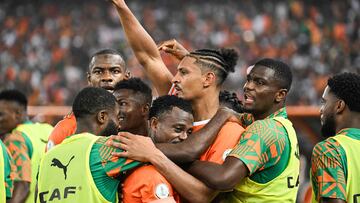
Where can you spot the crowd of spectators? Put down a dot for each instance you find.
(45, 45)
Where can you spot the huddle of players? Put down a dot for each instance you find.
(255, 157)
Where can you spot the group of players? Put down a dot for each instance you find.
(185, 146)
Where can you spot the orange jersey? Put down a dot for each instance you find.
(62, 130)
(146, 184)
(225, 141)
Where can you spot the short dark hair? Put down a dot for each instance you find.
(166, 103)
(220, 61)
(91, 100)
(282, 71)
(138, 86)
(346, 86)
(13, 95)
(107, 51)
(230, 100)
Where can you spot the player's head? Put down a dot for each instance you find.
(203, 69)
(340, 98)
(134, 98)
(13, 106)
(170, 119)
(96, 109)
(106, 68)
(230, 100)
(266, 87)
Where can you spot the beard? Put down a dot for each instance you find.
(111, 129)
(328, 128)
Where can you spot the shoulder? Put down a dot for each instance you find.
(15, 136)
(329, 147)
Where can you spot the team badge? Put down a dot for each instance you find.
(162, 191)
(226, 153)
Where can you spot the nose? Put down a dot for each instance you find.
(248, 86)
(106, 77)
(175, 79)
(183, 136)
(321, 111)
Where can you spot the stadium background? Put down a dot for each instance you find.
(45, 46)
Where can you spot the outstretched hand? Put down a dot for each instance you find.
(135, 147)
(174, 48)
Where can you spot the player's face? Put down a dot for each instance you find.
(8, 119)
(106, 70)
(171, 127)
(188, 79)
(131, 115)
(259, 90)
(113, 123)
(327, 113)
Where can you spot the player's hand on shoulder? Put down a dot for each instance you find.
(136, 147)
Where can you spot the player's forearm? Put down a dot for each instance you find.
(186, 185)
(195, 145)
(140, 41)
(145, 50)
(219, 177)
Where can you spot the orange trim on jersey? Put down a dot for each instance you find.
(62, 130)
(225, 141)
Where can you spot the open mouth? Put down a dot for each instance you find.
(248, 99)
(108, 88)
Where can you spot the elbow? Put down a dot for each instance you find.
(221, 183)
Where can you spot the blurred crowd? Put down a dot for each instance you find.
(45, 45)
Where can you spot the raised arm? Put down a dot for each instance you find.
(144, 49)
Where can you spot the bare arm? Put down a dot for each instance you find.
(220, 177)
(144, 49)
(21, 191)
(191, 149)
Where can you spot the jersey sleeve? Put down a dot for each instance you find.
(225, 141)
(62, 130)
(113, 166)
(19, 151)
(10, 171)
(327, 171)
(260, 146)
(146, 184)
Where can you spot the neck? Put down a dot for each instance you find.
(263, 115)
(83, 125)
(205, 107)
(352, 121)
(141, 130)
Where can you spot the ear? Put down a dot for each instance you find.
(209, 78)
(127, 75)
(102, 117)
(154, 123)
(145, 109)
(88, 76)
(340, 106)
(19, 114)
(280, 95)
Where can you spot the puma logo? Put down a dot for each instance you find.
(43, 141)
(56, 162)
